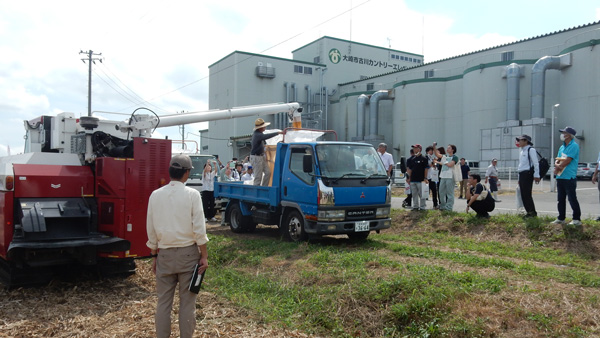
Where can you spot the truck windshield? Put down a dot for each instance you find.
(349, 161)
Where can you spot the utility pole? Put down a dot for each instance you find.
(90, 59)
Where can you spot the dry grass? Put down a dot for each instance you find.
(117, 308)
(125, 307)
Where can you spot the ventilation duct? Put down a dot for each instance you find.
(361, 108)
(538, 79)
(374, 109)
(513, 76)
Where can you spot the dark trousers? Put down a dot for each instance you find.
(567, 189)
(493, 184)
(434, 192)
(482, 208)
(526, 185)
(208, 204)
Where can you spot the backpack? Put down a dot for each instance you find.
(543, 164)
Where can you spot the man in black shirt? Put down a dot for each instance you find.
(479, 198)
(417, 176)
(258, 158)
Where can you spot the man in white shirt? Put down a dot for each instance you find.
(491, 175)
(249, 175)
(388, 160)
(529, 171)
(177, 240)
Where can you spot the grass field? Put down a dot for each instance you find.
(431, 275)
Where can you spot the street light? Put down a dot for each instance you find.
(552, 150)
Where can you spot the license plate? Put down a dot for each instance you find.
(361, 226)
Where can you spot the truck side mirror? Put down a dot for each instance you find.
(307, 163)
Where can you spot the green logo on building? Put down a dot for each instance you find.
(335, 56)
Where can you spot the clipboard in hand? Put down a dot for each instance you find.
(196, 281)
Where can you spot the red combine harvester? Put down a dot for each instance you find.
(77, 198)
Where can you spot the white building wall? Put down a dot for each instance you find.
(464, 103)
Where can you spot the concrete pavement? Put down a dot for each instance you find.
(545, 201)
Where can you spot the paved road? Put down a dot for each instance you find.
(545, 201)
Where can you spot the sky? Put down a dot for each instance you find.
(156, 54)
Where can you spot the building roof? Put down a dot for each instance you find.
(251, 55)
(474, 52)
(356, 43)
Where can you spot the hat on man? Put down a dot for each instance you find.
(249, 167)
(569, 130)
(181, 161)
(416, 146)
(526, 138)
(260, 123)
(494, 159)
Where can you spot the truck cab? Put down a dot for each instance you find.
(318, 188)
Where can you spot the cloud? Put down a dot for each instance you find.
(151, 48)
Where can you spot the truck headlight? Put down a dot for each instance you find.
(382, 212)
(331, 215)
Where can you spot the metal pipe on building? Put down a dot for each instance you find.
(361, 106)
(308, 98)
(326, 105)
(281, 117)
(538, 80)
(374, 109)
(295, 92)
(513, 75)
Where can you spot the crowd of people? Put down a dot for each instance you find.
(434, 174)
(176, 254)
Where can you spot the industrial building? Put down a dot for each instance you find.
(478, 101)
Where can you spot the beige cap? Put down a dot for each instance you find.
(181, 161)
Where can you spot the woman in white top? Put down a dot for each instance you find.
(208, 191)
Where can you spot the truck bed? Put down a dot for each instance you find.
(248, 193)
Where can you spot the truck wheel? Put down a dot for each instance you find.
(358, 236)
(292, 228)
(237, 221)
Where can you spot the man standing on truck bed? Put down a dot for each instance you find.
(177, 231)
(258, 158)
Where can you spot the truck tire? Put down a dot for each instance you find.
(358, 236)
(292, 228)
(237, 221)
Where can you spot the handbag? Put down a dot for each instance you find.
(484, 193)
(456, 172)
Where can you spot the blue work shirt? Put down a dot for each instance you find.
(571, 150)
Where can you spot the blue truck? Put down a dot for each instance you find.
(318, 188)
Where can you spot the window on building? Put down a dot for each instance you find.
(402, 58)
(317, 59)
(429, 73)
(508, 56)
(370, 86)
(362, 77)
(298, 69)
(307, 70)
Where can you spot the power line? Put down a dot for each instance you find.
(131, 98)
(138, 98)
(250, 57)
